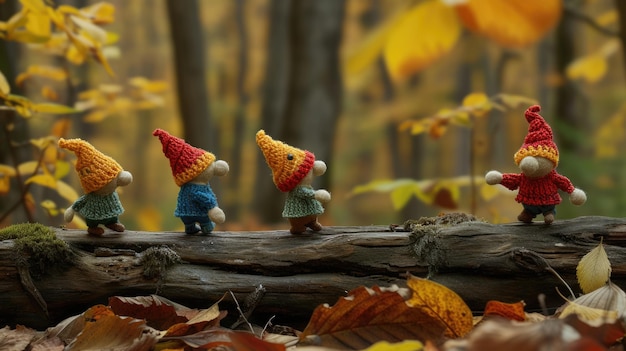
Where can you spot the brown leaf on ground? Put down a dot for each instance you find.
(115, 333)
(367, 316)
(226, 339)
(159, 312)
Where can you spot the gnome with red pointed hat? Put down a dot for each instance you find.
(538, 184)
(192, 169)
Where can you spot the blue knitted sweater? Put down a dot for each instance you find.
(301, 202)
(195, 200)
(97, 207)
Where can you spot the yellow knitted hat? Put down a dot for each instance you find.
(94, 168)
(289, 164)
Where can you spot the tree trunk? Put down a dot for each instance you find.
(480, 261)
(190, 60)
(302, 95)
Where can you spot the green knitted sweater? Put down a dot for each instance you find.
(96, 207)
(301, 202)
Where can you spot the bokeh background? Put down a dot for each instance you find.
(409, 102)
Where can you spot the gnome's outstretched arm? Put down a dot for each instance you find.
(576, 196)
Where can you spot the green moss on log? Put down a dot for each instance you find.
(38, 245)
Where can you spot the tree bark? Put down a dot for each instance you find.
(479, 261)
(190, 60)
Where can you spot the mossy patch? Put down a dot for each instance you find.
(156, 260)
(38, 245)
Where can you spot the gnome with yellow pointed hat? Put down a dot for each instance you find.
(99, 176)
(538, 183)
(192, 169)
(293, 170)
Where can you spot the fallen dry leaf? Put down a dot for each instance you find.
(367, 316)
(115, 333)
(442, 304)
(15, 339)
(511, 311)
(226, 339)
(593, 270)
(159, 312)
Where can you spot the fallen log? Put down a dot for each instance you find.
(480, 261)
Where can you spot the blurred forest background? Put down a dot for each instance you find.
(409, 102)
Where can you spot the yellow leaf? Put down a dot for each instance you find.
(61, 169)
(46, 180)
(424, 34)
(43, 143)
(38, 24)
(366, 53)
(589, 68)
(475, 99)
(400, 196)
(588, 314)
(91, 30)
(7, 170)
(53, 108)
(100, 13)
(5, 184)
(49, 93)
(66, 191)
(50, 207)
(442, 304)
(512, 101)
(408, 345)
(61, 127)
(34, 5)
(5, 88)
(28, 167)
(510, 23)
(593, 270)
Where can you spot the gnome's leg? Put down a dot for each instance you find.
(191, 225)
(314, 224)
(525, 217)
(114, 224)
(299, 225)
(92, 227)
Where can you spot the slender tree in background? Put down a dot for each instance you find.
(302, 94)
(190, 66)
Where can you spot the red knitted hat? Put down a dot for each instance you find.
(186, 161)
(539, 140)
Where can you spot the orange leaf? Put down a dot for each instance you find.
(510, 23)
(512, 311)
(227, 339)
(442, 305)
(367, 316)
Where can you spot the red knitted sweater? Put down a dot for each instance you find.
(538, 191)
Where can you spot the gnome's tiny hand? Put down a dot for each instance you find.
(220, 168)
(577, 197)
(217, 215)
(322, 195)
(68, 215)
(493, 177)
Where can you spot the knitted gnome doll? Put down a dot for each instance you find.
(192, 169)
(539, 182)
(99, 176)
(293, 170)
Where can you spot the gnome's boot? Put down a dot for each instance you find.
(548, 217)
(118, 227)
(525, 217)
(97, 231)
